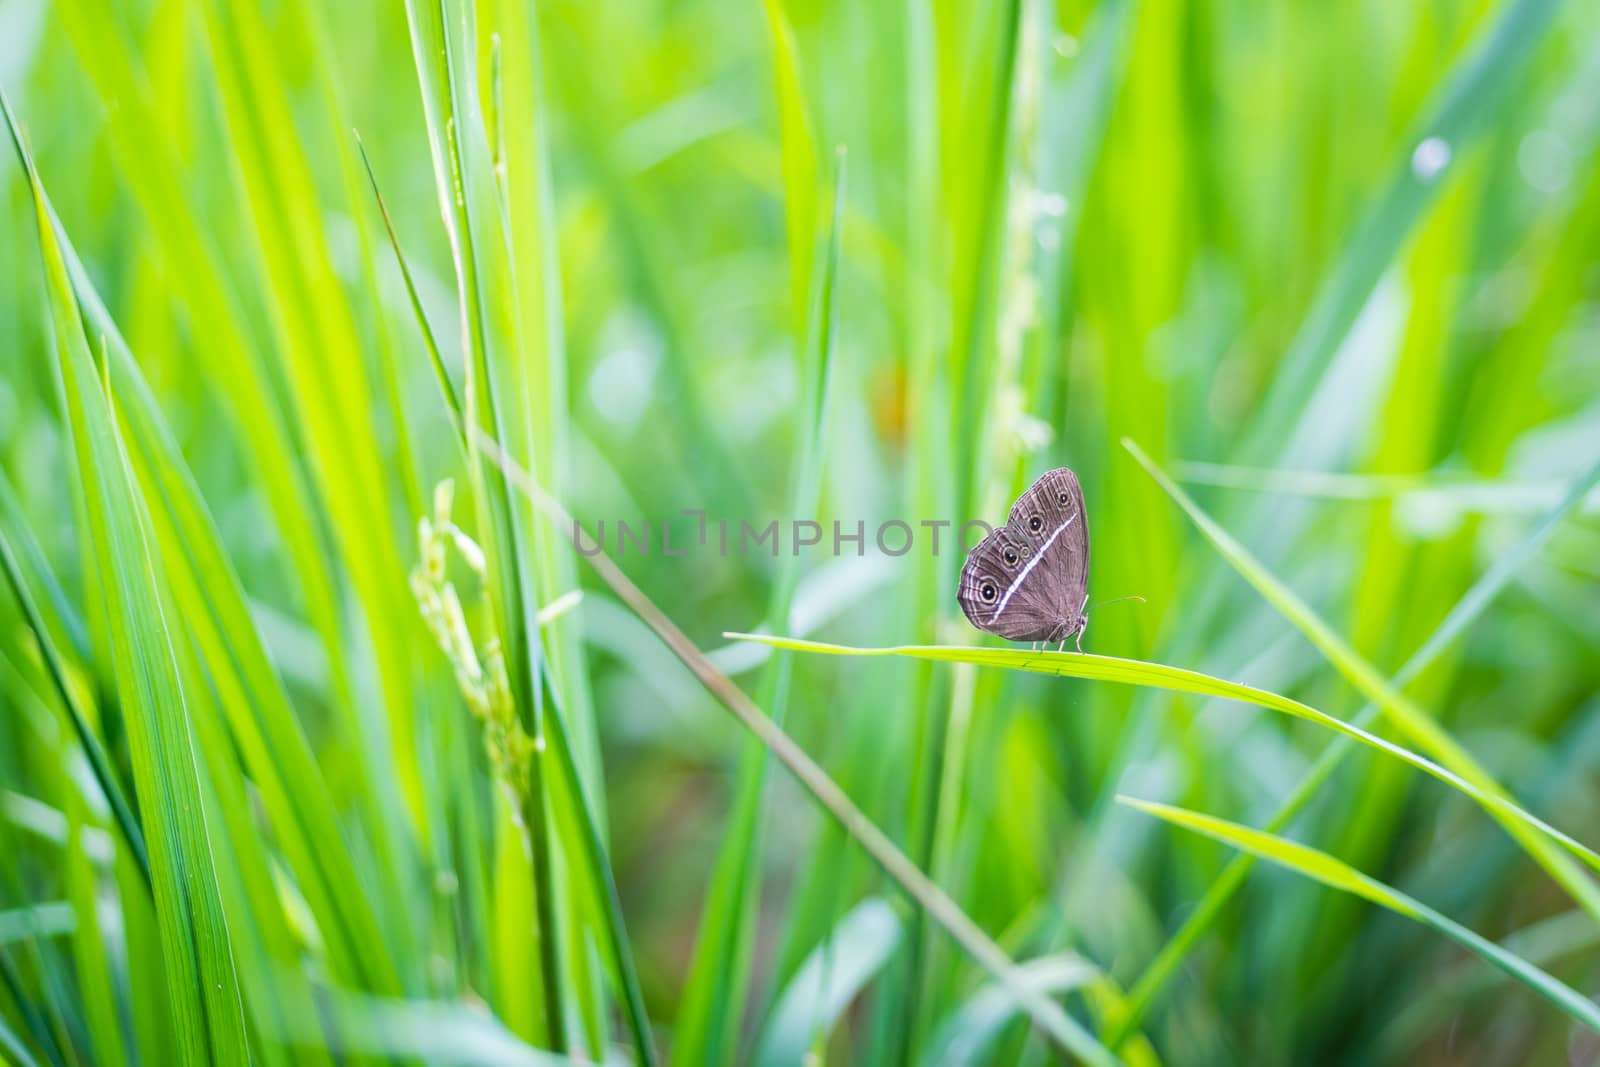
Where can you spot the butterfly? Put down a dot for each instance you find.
(1028, 580)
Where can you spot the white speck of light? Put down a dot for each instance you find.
(1431, 157)
(1545, 161)
(1066, 45)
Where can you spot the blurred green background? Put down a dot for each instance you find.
(1336, 268)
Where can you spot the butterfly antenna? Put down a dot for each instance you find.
(1120, 599)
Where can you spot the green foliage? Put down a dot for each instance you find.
(301, 764)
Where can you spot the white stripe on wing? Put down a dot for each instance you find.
(1037, 556)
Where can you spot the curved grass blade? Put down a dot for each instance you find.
(1329, 871)
(32, 1018)
(828, 980)
(1404, 713)
(62, 615)
(1476, 600)
(1541, 943)
(202, 985)
(249, 692)
(99, 763)
(381, 1029)
(441, 373)
(1066, 1032)
(965, 1038)
(1183, 680)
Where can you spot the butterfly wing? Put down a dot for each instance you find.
(1051, 517)
(996, 595)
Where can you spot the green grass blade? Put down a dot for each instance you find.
(92, 950)
(261, 720)
(32, 1018)
(1458, 114)
(1160, 971)
(1324, 868)
(121, 810)
(211, 599)
(1182, 680)
(321, 345)
(202, 984)
(441, 373)
(522, 289)
(828, 981)
(492, 402)
(1541, 943)
(1401, 711)
(38, 920)
(965, 1037)
(12, 1045)
(233, 360)
(801, 170)
(56, 610)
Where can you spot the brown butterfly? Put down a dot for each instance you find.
(1029, 579)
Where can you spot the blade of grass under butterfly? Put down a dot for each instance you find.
(1472, 604)
(1401, 711)
(1182, 680)
(1062, 1029)
(1324, 868)
(202, 985)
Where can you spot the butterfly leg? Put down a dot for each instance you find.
(1062, 647)
(1080, 637)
